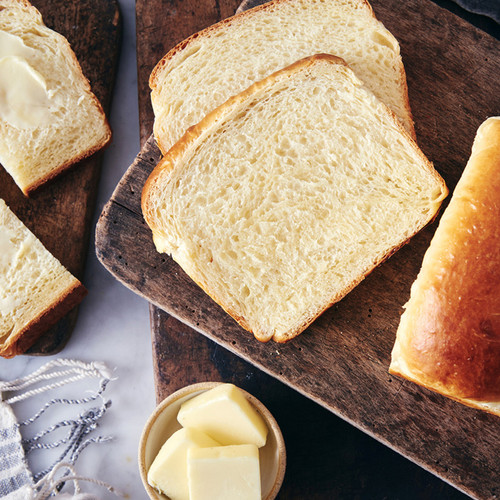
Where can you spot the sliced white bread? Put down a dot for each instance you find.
(35, 289)
(203, 71)
(448, 339)
(283, 199)
(49, 118)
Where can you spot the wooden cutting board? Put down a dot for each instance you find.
(341, 361)
(60, 214)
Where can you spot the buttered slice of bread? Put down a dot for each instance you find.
(205, 70)
(35, 289)
(281, 200)
(49, 118)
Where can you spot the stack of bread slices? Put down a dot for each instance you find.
(290, 171)
(290, 165)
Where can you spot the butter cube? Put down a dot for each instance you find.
(224, 473)
(168, 472)
(225, 414)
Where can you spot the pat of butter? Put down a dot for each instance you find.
(224, 473)
(225, 414)
(168, 472)
(13, 45)
(24, 99)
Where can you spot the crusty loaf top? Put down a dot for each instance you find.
(449, 336)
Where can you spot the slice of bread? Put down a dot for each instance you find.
(49, 118)
(35, 289)
(448, 339)
(281, 200)
(205, 70)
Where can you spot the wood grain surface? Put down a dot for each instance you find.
(341, 361)
(60, 214)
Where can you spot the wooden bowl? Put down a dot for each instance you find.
(163, 423)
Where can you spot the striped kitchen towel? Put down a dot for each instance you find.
(16, 480)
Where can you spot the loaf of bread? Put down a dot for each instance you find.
(448, 339)
(205, 70)
(35, 289)
(282, 199)
(49, 118)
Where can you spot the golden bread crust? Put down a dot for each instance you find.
(32, 188)
(449, 336)
(22, 340)
(243, 17)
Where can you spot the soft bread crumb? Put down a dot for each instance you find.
(77, 127)
(202, 72)
(280, 201)
(35, 289)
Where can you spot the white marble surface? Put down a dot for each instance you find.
(113, 324)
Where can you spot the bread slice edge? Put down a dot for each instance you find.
(23, 339)
(242, 17)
